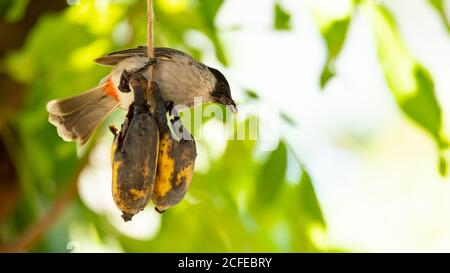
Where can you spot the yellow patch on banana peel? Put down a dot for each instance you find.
(115, 168)
(165, 168)
(176, 161)
(137, 194)
(185, 175)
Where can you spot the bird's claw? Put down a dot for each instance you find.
(151, 62)
(113, 129)
(169, 105)
(124, 82)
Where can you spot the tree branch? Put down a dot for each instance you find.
(34, 232)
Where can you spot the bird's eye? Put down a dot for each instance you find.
(222, 86)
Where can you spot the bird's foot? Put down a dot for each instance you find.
(169, 105)
(124, 83)
(150, 62)
(113, 130)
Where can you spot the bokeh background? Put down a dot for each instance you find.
(361, 90)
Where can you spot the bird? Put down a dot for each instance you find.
(179, 76)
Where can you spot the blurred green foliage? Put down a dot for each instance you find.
(243, 203)
(282, 19)
(439, 5)
(410, 82)
(13, 10)
(334, 35)
(334, 28)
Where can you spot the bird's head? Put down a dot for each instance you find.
(222, 93)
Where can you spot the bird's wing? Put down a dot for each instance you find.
(114, 58)
(161, 53)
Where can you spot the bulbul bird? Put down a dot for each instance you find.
(179, 76)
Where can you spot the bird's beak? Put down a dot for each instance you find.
(229, 103)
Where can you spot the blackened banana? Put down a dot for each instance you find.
(175, 161)
(135, 152)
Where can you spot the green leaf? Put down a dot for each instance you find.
(439, 5)
(443, 167)
(304, 213)
(16, 10)
(334, 34)
(271, 176)
(288, 119)
(423, 107)
(252, 94)
(309, 204)
(409, 81)
(4, 6)
(282, 18)
(208, 10)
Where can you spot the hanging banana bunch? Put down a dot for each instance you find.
(148, 162)
(152, 159)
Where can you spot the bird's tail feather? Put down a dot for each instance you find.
(76, 117)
